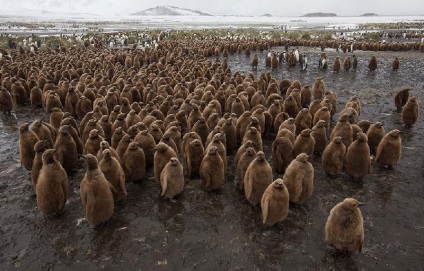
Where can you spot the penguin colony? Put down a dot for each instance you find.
(173, 111)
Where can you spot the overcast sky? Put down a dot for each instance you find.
(244, 7)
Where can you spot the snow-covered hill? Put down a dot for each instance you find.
(170, 11)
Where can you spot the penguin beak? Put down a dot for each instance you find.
(362, 204)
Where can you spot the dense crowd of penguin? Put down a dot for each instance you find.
(177, 111)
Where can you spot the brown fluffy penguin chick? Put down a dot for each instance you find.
(401, 98)
(39, 149)
(282, 153)
(162, 156)
(344, 229)
(364, 125)
(104, 145)
(299, 179)
(56, 117)
(66, 147)
(27, 141)
(253, 135)
(123, 145)
(375, 134)
(395, 64)
(257, 178)
(44, 131)
(52, 185)
(134, 162)
(147, 143)
(303, 120)
(319, 133)
(242, 150)
(6, 104)
(389, 150)
(212, 170)
(96, 194)
(243, 164)
(289, 125)
(92, 146)
(410, 112)
(275, 203)
(344, 130)
(304, 143)
(372, 65)
(336, 65)
(229, 129)
(193, 156)
(357, 162)
(114, 174)
(217, 142)
(202, 129)
(333, 155)
(172, 179)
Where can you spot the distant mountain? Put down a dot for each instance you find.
(320, 14)
(266, 15)
(369, 14)
(170, 11)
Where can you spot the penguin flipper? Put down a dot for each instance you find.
(265, 205)
(164, 185)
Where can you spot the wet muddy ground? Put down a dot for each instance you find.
(221, 231)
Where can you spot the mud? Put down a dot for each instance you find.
(221, 231)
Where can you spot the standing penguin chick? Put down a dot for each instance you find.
(336, 65)
(52, 185)
(275, 203)
(304, 143)
(162, 156)
(344, 229)
(134, 161)
(6, 103)
(375, 133)
(66, 149)
(395, 64)
(96, 194)
(212, 170)
(410, 112)
(332, 157)
(243, 164)
(372, 65)
(357, 160)
(344, 130)
(39, 149)
(27, 141)
(114, 174)
(282, 153)
(389, 150)
(299, 179)
(193, 156)
(257, 178)
(172, 178)
(401, 98)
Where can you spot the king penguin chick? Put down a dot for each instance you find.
(299, 179)
(52, 185)
(96, 194)
(344, 229)
(212, 170)
(257, 178)
(114, 174)
(389, 150)
(275, 203)
(172, 178)
(27, 141)
(332, 157)
(410, 112)
(357, 160)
